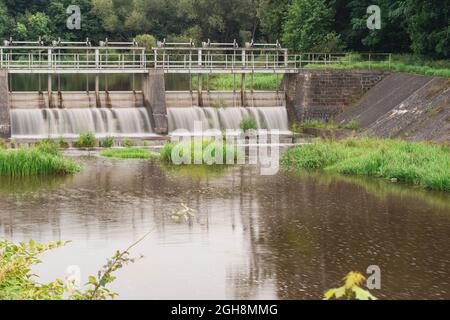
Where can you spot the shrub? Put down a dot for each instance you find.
(86, 140)
(351, 125)
(62, 143)
(48, 146)
(2, 144)
(248, 123)
(127, 143)
(108, 142)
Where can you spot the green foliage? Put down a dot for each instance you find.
(248, 123)
(48, 146)
(42, 160)
(352, 125)
(18, 282)
(108, 142)
(308, 23)
(351, 290)
(147, 41)
(86, 140)
(420, 26)
(2, 144)
(426, 165)
(210, 147)
(62, 143)
(127, 143)
(129, 153)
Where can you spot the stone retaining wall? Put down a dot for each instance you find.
(321, 94)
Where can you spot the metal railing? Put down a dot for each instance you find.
(172, 59)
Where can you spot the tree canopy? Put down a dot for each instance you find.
(418, 26)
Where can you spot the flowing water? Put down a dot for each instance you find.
(269, 118)
(284, 236)
(43, 123)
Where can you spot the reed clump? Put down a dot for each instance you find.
(423, 164)
(41, 160)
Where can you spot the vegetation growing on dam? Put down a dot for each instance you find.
(127, 153)
(41, 160)
(400, 63)
(426, 165)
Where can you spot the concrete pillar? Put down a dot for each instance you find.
(243, 90)
(154, 91)
(5, 117)
(200, 90)
(97, 91)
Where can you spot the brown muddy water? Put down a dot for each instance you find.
(253, 237)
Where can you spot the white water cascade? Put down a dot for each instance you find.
(118, 122)
(270, 118)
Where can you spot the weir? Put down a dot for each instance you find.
(144, 112)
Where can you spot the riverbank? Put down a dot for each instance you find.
(422, 164)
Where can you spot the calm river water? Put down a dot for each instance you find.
(253, 237)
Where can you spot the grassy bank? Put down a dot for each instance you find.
(35, 161)
(127, 153)
(421, 164)
(399, 63)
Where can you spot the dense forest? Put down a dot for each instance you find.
(418, 26)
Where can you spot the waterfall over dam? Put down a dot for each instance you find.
(228, 118)
(70, 122)
(122, 114)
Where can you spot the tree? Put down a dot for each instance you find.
(147, 41)
(429, 27)
(272, 14)
(308, 23)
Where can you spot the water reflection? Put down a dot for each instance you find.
(284, 236)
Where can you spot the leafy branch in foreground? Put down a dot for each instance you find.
(351, 290)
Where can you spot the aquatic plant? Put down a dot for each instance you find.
(211, 147)
(48, 146)
(351, 290)
(62, 143)
(86, 140)
(423, 164)
(108, 142)
(128, 153)
(127, 143)
(35, 161)
(248, 123)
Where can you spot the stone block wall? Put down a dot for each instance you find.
(322, 94)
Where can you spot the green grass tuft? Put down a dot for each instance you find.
(128, 153)
(35, 161)
(423, 164)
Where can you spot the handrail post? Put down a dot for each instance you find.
(49, 58)
(243, 59)
(97, 58)
(286, 57)
(200, 58)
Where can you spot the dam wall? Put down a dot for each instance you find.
(218, 99)
(324, 93)
(404, 106)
